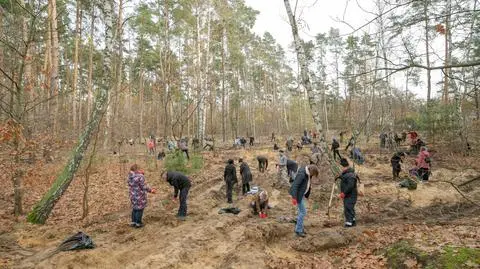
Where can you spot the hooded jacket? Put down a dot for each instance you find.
(230, 174)
(348, 184)
(138, 190)
(245, 172)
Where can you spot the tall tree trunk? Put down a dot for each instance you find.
(427, 53)
(224, 114)
(54, 60)
(78, 24)
(42, 209)
(304, 73)
(447, 51)
(90, 64)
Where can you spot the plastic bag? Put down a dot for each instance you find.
(78, 241)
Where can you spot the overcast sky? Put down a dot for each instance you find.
(315, 16)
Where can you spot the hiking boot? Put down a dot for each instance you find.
(300, 234)
(139, 225)
(348, 226)
(132, 224)
(181, 218)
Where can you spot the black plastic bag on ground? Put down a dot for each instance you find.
(408, 183)
(231, 210)
(78, 241)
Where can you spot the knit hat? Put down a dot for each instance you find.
(344, 162)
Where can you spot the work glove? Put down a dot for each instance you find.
(342, 195)
(294, 201)
(263, 215)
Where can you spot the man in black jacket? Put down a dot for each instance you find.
(180, 183)
(300, 191)
(335, 146)
(230, 177)
(348, 188)
(262, 163)
(246, 176)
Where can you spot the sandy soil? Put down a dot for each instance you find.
(433, 215)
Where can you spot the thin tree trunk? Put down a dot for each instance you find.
(90, 65)
(78, 23)
(427, 53)
(224, 114)
(54, 60)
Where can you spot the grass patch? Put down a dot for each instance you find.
(448, 257)
(457, 257)
(177, 161)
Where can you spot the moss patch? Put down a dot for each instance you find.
(402, 253)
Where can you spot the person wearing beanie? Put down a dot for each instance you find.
(246, 176)
(230, 177)
(348, 188)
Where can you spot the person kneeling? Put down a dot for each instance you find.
(259, 204)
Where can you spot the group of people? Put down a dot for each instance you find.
(422, 162)
(138, 190)
(298, 179)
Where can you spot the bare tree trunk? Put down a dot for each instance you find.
(304, 73)
(54, 60)
(224, 114)
(90, 64)
(427, 53)
(78, 23)
(447, 51)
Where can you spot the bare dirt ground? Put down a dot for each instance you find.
(432, 216)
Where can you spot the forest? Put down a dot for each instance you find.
(95, 94)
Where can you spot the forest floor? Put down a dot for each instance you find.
(397, 228)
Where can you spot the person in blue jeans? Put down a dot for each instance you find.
(300, 191)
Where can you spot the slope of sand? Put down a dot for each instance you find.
(431, 215)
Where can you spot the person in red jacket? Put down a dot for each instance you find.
(423, 162)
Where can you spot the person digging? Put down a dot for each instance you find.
(259, 204)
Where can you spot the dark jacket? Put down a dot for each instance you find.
(396, 160)
(245, 172)
(299, 185)
(230, 174)
(348, 184)
(292, 166)
(179, 181)
(335, 145)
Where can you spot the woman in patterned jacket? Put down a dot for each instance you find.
(138, 194)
